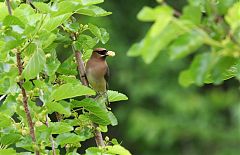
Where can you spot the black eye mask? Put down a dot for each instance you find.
(103, 52)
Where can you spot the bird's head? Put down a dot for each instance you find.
(102, 53)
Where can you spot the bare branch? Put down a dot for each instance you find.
(25, 101)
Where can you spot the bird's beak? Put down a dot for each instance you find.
(111, 53)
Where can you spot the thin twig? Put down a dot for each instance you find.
(81, 69)
(47, 124)
(9, 7)
(51, 137)
(25, 101)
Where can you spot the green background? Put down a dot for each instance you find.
(162, 117)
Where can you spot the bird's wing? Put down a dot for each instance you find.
(106, 77)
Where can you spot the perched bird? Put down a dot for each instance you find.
(97, 71)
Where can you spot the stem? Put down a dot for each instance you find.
(81, 70)
(47, 124)
(25, 101)
(9, 7)
(51, 137)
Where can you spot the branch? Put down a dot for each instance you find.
(9, 7)
(81, 70)
(25, 101)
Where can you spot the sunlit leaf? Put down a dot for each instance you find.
(116, 96)
(35, 64)
(70, 90)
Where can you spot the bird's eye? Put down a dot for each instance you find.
(103, 52)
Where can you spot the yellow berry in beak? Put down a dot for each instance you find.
(111, 53)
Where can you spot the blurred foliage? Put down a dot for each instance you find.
(162, 117)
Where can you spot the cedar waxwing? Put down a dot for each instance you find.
(97, 71)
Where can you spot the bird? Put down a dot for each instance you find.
(97, 71)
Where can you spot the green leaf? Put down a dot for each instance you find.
(100, 33)
(65, 7)
(28, 85)
(85, 42)
(5, 121)
(35, 64)
(233, 16)
(90, 2)
(9, 151)
(97, 113)
(43, 133)
(114, 96)
(70, 90)
(3, 11)
(198, 70)
(94, 151)
(117, 149)
(112, 118)
(148, 14)
(68, 138)
(53, 22)
(186, 44)
(8, 139)
(52, 64)
(8, 107)
(60, 127)
(68, 67)
(192, 13)
(93, 10)
(42, 7)
(12, 20)
(60, 107)
(84, 132)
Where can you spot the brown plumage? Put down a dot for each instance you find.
(97, 71)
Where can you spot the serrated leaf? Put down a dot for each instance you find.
(97, 113)
(42, 7)
(117, 149)
(100, 33)
(68, 67)
(5, 121)
(52, 64)
(85, 42)
(60, 127)
(93, 10)
(8, 107)
(8, 139)
(62, 108)
(70, 90)
(114, 96)
(35, 64)
(53, 22)
(68, 138)
(12, 20)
